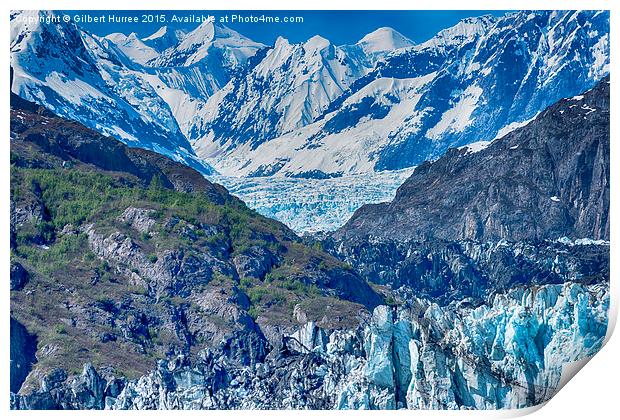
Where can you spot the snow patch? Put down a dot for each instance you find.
(384, 39)
(582, 241)
(475, 147)
(456, 119)
(513, 126)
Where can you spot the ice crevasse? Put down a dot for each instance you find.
(508, 354)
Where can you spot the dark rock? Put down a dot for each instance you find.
(19, 276)
(546, 180)
(53, 380)
(35, 401)
(245, 348)
(453, 270)
(255, 262)
(107, 337)
(23, 350)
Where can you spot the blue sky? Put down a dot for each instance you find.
(340, 27)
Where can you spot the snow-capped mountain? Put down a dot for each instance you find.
(107, 83)
(198, 66)
(164, 38)
(377, 44)
(211, 43)
(464, 85)
(79, 77)
(133, 47)
(288, 88)
(383, 40)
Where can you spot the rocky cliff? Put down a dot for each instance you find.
(546, 180)
(121, 257)
(507, 353)
(446, 271)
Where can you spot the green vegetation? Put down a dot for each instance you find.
(78, 197)
(66, 276)
(66, 249)
(60, 329)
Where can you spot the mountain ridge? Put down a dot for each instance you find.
(545, 180)
(464, 85)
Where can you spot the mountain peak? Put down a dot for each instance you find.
(164, 38)
(195, 46)
(316, 43)
(133, 47)
(384, 39)
(116, 37)
(281, 41)
(210, 31)
(207, 29)
(466, 29)
(163, 31)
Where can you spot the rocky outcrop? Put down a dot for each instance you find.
(446, 271)
(19, 276)
(23, 350)
(139, 219)
(546, 180)
(254, 262)
(506, 353)
(170, 272)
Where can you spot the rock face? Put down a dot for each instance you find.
(139, 219)
(121, 257)
(255, 262)
(546, 180)
(506, 353)
(454, 270)
(169, 273)
(19, 276)
(23, 349)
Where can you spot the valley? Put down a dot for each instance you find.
(203, 221)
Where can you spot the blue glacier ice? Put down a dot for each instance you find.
(507, 354)
(314, 205)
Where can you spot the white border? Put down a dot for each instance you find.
(592, 395)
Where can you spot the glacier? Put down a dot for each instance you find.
(508, 353)
(314, 205)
